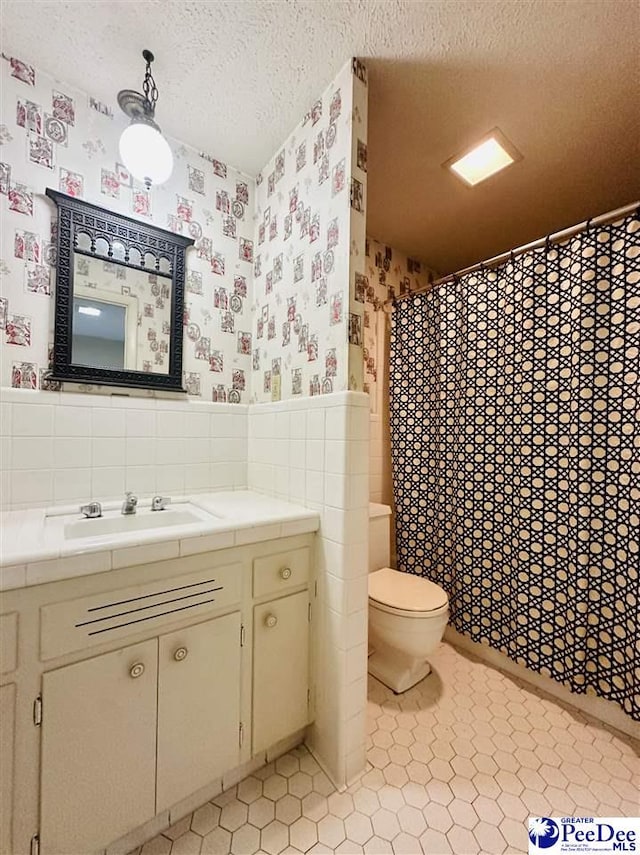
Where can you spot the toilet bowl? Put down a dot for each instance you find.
(407, 613)
(407, 618)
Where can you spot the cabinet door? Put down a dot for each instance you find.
(280, 669)
(198, 707)
(7, 726)
(98, 749)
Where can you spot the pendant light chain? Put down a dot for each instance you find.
(149, 87)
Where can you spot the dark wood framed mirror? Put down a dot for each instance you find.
(119, 299)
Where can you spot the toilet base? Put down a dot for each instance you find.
(397, 671)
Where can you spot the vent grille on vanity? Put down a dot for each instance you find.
(148, 607)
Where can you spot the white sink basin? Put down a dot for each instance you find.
(114, 522)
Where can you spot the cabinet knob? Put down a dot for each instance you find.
(270, 620)
(136, 670)
(285, 573)
(180, 654)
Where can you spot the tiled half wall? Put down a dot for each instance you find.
(60, 448)
(316, 451)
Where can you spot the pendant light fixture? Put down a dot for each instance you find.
(143, 149)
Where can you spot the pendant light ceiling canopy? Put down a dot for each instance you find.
(143, 149)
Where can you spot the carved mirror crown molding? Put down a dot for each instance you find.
(95, 232)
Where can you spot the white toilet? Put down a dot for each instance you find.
(407, 613)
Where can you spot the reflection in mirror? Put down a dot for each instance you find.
(121, 317)
(165, 266)
(83, 241)
(99, 333)
(135, 256)
(118, 250)
(102, 246)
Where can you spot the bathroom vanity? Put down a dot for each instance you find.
(137, 680)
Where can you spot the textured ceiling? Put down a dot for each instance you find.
(559, 78)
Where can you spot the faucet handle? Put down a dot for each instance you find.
(92, 510)
(159, 503)
(130, 503)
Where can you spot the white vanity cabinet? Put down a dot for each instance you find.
(98, 749)
(280, 669)
(8, 667)
(281, 693)
(128, 734)
(7, 739)
(149, 686)
(198, 707)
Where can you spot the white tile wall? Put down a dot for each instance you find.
(63, 447)
(316, 451)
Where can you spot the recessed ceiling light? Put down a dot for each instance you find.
(492, 154)
(89, 310)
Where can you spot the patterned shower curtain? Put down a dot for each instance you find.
(515, 432)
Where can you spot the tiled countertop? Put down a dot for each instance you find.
(34, 550)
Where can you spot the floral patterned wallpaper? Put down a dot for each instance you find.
(389, 273)
(54, 136)
(309, 246)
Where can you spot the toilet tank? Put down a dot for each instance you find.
(379, 533)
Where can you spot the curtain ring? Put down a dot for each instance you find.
(587, 228)
(547, 243)
(512, 257)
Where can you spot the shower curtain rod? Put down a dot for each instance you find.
(556, 237)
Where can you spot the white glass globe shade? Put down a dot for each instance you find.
(146, 153)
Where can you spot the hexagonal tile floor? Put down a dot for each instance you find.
(456, 765)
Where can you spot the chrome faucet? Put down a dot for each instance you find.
(159, 503)
(92, 510)
(130, 503)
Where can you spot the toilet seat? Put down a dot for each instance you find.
(405, 594)
(390, 610)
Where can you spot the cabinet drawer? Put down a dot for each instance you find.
(89, 621)
(8, 642)
(280, 572)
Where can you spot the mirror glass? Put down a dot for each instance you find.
(121, 317)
